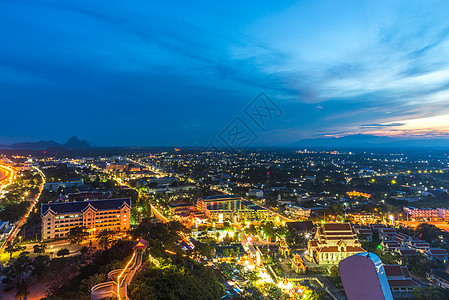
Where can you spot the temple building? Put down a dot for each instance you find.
(284, 249)
(298, 265)
(332, 243)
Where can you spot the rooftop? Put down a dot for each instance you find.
(219, 197)
(79, 206)
(337, 227)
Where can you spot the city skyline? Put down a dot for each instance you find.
(150, 74)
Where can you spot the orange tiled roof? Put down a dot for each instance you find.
(337, 226)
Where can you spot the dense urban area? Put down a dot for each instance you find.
(157, 223)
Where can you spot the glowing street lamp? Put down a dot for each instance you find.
(391, 218)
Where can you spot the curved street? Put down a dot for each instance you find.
(16, 230)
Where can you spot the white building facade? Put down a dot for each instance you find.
(95, 215)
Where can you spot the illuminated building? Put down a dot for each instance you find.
(363, 218)
(400, 280)
(437, 254)
(229, 207)
(251, 211)
(180, 208)
(443, 213)
(110, 214)
(284, 249)
(365, 233)
(256, 193)
(298, 265)
(226, 252)
(421, 213)
(220, 207)
(115, 167)
(354, 194)
(54, 186)
(298, 211)
(333, 242)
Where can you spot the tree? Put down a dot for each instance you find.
(63, 252)
(39, 248)
(335, 276)
(428, 232)
(165, 233)
(428, 293)
(77, 235)
(104, 238)
(273, 291)
(336, 209)
(84, 250)
(180, 279)
(19, 270)
(11, 248)
(203, 249)
(251, 230)
(253, 276)
(334, 272)
(39, 264)
(93, 280)
(228, 239)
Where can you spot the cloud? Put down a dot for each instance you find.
(361, 68)
(382, 125)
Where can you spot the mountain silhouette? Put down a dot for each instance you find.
(72, 143)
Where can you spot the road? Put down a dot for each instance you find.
(16, 230)
(413, 224)
(7, 175)
(281, 217)
(156, 212)
(2, 174)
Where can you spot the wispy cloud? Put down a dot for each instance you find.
(335, 69)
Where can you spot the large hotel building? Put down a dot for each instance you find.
(109, 214)
(227, 207)
(219, 207)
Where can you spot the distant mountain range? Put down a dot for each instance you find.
(72, 143)
(371, 141)
(350, 141)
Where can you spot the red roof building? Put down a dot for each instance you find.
(437, 254)
(399, 279)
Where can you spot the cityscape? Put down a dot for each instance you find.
(255, 224)
(203, 151)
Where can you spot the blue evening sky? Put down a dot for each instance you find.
(178, 72)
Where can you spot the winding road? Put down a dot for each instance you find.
(16, 230)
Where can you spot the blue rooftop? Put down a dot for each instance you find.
(219, 197)
(79, 206)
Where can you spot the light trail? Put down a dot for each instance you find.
(9, 177)
(158, 214)
(16, 229)
(121, 274)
